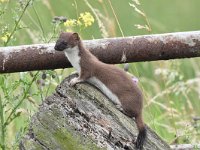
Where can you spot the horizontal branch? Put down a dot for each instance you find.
(112, 50)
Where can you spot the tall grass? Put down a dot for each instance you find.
(171, 88)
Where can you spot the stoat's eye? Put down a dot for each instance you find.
(65, 43)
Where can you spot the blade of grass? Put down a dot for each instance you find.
(116, 18)
(40, 23)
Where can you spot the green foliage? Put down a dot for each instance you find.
(13, 95)
(171, 88)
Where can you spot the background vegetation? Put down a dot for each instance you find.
(171, 88)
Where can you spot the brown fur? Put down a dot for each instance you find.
(115, 79)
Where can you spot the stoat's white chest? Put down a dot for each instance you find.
(73, 56)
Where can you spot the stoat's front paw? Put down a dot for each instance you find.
(73, 82)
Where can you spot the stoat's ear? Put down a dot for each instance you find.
(76, 36)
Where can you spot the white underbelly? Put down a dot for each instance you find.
(96, 82)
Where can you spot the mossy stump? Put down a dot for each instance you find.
(81, 118)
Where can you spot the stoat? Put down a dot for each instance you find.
(112, 81)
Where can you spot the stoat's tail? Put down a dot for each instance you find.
(142, 132)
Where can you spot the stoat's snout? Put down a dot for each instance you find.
(57, 48)
(60, 45)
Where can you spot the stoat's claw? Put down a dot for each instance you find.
(119, 107)
(73, 82)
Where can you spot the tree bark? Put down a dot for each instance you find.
(81, 118)
(185, 147)
(112, 50)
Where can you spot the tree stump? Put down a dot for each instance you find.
(82, 118)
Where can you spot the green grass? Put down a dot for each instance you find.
(171, 88)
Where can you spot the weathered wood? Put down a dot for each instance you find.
(80, 118)
(112, 50)
(185, 147)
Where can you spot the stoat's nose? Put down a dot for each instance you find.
(58, 47)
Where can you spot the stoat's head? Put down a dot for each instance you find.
(67, 41)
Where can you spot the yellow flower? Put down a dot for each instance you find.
(79, 23)
(4, 38)
(4, 1)
(70, 23)
(87, 18)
